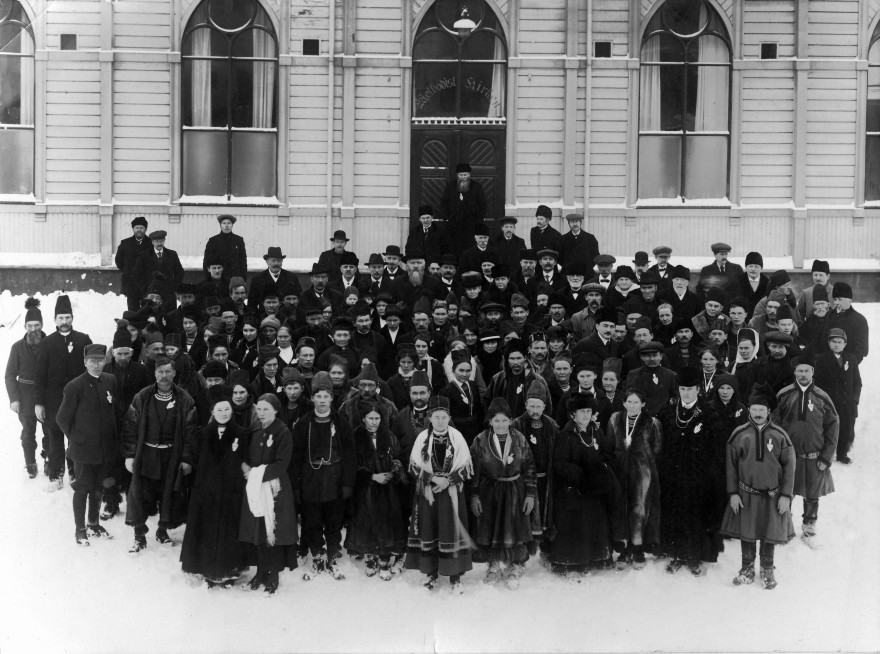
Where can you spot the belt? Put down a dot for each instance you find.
(541, 474)
(754, 491)
(25, 381)
(514, 478)
(809, 455)
(159, 446)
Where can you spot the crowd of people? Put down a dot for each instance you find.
(435, 409)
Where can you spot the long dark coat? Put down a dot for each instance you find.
(581, 248)
(462, 212)
(126, 256)
(467, 416)
(433, 244)
(230, 249)
(843, 383)
(542, 453)
(88, 417)
(210, 545)
(58, 364)
(325, 483)
(690, 480)
(148, 263)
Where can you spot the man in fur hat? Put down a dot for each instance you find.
(543, 235)
(821, 273)
(272, 278)
(463, 206)
(21, 376)
(127, 255)
(754, 285)
(845, 317)
(807, 414)
(87, 416)
(781, 283)
(429, 236)
(159, 259)
(228, 248)
(60, 360)
(775, 368)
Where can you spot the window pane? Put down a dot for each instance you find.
(872, 168)
(705, 167)
(206, 42)
(253, 164)
(231, 14)
(483, 45)
(205, 84)
(873, 117)
(482, 90)
(16, 161)
(659, 166)
(254, 43)
(253, 94)
(11, 88)
(435, 45)
(708, 98)
(684, 16)
(672, 97)
(662, 47)
(204, 163)
(434, 89)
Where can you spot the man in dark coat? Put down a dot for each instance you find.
(416, 283)
(508, 244)
(319, 294)
(127, 255)
(348, 274)
(849, 320)
(837, 373)
(159, 259)
(332, 258)
(60, 360)
(393, 269)
(514, 379)
(430, 237)
(663, 268)
(544, 236)
(228, 248)
(274, 277)
(375, 282)
(721, 273)
(21, 375)
(578, 245)
(600, 343)
(88, 416)
(472, 257)
(655, 381)
(158, 438)
(685, 303)
(753, 285)
(463, 206)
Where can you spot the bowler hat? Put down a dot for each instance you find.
(339, 235)
(274, 252)
(319, 269)
(641, 258)
(376, 260)
(392, 251)
(448, 260)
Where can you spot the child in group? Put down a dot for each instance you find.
(760, 483)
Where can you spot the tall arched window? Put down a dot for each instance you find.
(16, 101)
(872, 122)
(684, 105)
(230, 95)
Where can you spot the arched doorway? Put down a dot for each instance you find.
(458, 102)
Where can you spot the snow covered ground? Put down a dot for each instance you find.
(60, 598)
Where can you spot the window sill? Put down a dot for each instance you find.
(17, 199)
(683, 203)
(234, 201)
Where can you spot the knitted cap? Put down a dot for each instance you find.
(33, 313)
(121, 337)
(321, 382)
(538, 391)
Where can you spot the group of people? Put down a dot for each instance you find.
(439, 410)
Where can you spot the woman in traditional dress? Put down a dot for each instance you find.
(465, 401)
(210, 545)
(503, 496)
(268, 497)
(376, 529)
(438, 542)
(244, 414)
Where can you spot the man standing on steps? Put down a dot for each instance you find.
(463, 206)
(59, 362)
(127, 255)
(228, 248)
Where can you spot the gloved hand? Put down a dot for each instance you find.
(346, 492)
(736, 504)
(529, 505)
(129, 465)
(476, 506)
(783, 505)
(187, 468)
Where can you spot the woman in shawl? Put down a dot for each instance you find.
(210, 545)
(376, 529)
(338, 372)
(268, 515)
(503, 496)
(438, 542)
(710, 366)
(399, 382)
(243, 412)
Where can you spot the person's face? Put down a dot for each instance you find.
(642, 335)
(604, 268)
(820, 278)
(220, 354)
(322, 400)
(222, 411)
(171, 351)
(534, 408)
(664, 315)
(609, 381)
(489, 347)
(306, 357)
(721, 256)
(757, 412)
(717, 336)
(631, 319)
(528, 266)
(633, 404)
(500, 423)
(270, 368)
(605, 329)
(777, 350)
(843, 303)
(319, 282)
(337, 376)
(347, 270)
(650, 359)
(586, 378)
(228, 318)
(575, 226)
(239, 395)
(594, 300)
(238, 294)
(64, 322)
(737, 315)
(708, 361)
(393, 322)
(582, 417)
(517, 362)
(392, 261)
(293, 391)
(683, 336)
(486, 267)
(662, 259)
(341, 337)
(562, 371)
(547, 263)
(420, 321)
(555, 345)
(786, 326)
(249, 332)
(122, 356)
(362, 323)
(421, 348)
(367, 388)
(375, 270)
(680, 284)
(226, 226)
(447, 271)
(139, 231)
(155, 350)
(339, 244)
(519, 315)
(688, 394)
(753, 270)
(472, 292)
(216, 271)
(164, 376)
(32, 326)
(820, 308)
(482, 241)
(575, 281)
(283, 338)
(419, 396)
(158, 243)
(470, 337)
(415, 264)
(271, 305)
(315, 320)
(624, 283)
(372, 421)
(507, 229)
(725, 392)
(213, 381)
(265, 412)
(836, 344)
(440, 420)
(619, 333)
(406, 364)
(462, 372)
(648, 292)
(187, 299)
(640, 267)
(291, 301)
(439, 315)
(452, 311)
(785, 288)
(206, 335)
(746, 349)
(557, 312)
(133, 331)
(94, 365)
(538, 351)
(190, 327)
(426, 220)
(274, 264)
(713, 308)
(463, 177)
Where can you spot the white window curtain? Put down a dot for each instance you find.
(27, 78)
(649, 87)
(712, 86)
(264, 80)
(201, 79)
(499, 82)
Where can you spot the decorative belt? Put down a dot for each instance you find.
(541, 474)
(809, 455)
(514, 478)
(320, 463)
(754, 491)
(159, 446)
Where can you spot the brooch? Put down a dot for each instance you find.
(269, 441)
(254, 364)
(170, 405)
(698, 427)
(846, 366)
(738, 413)
(654, 379)
(510, 459)
(235, 445)
(533, 440)
(278, 390)
(810, 405)
(109, 398)
(69, 348)
(769, 446)
(519, 389)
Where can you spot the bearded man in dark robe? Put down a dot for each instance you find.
(463, 206)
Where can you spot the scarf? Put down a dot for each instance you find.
(261, 499)
(739, 358)
(421, 466)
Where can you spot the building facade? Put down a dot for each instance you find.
(755, 122)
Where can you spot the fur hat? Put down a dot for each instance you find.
(723, 378)
(240, 378)
(606, 314)
(321, 382)
(519, 300)
(214, 369)
(784, 313)
(820, 293)
(544, 210)
(538, 391)
(219, 393)
(633, 305)
(63, 307)
(368, 373)
(580, 401)
(762, 394)
(681, 272)
(779, 278)
(613, 364)
(803, 359)
(840, 289)
(461, 355)
(139, 220)
(625, 272)
(754, 258)
(715, 294)
(687, 376)
(496, 406)
(820, 266)
(32, 311)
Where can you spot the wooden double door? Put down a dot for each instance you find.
(437, 150)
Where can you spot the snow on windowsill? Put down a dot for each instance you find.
(234, 200)
(678, 201)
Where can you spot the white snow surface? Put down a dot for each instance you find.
(63, 598)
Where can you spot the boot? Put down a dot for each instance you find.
(512, 574)
(385, 568)
(695, 568)
(333, 568)
(397, 562)
(98, 531)
(432, 580)
(163, 537)
(319, 565)
(625, 558)
(768, 579)
(55, 485)
(271, 582)
(493, 573)
(455, 585)
(638, 557)
(746, 575)
(140, 543)
(258, 579)
(31, 470)
(372, 565)
(808, 535)
(674, 565)
(82, 537)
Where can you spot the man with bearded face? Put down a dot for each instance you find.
(583, 322)
(273, 278)
(463, 206)
(512, 382)
(416, 283)
(21, 374)
(60, 360)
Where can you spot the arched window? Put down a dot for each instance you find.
(458, 72)
(16, 101)
(684, 103)
(230, 95)
(872, 122)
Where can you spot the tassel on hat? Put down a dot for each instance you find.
(32, 311)
(121, 337)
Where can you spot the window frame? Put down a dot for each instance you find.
(874, 41)
(25, 30)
